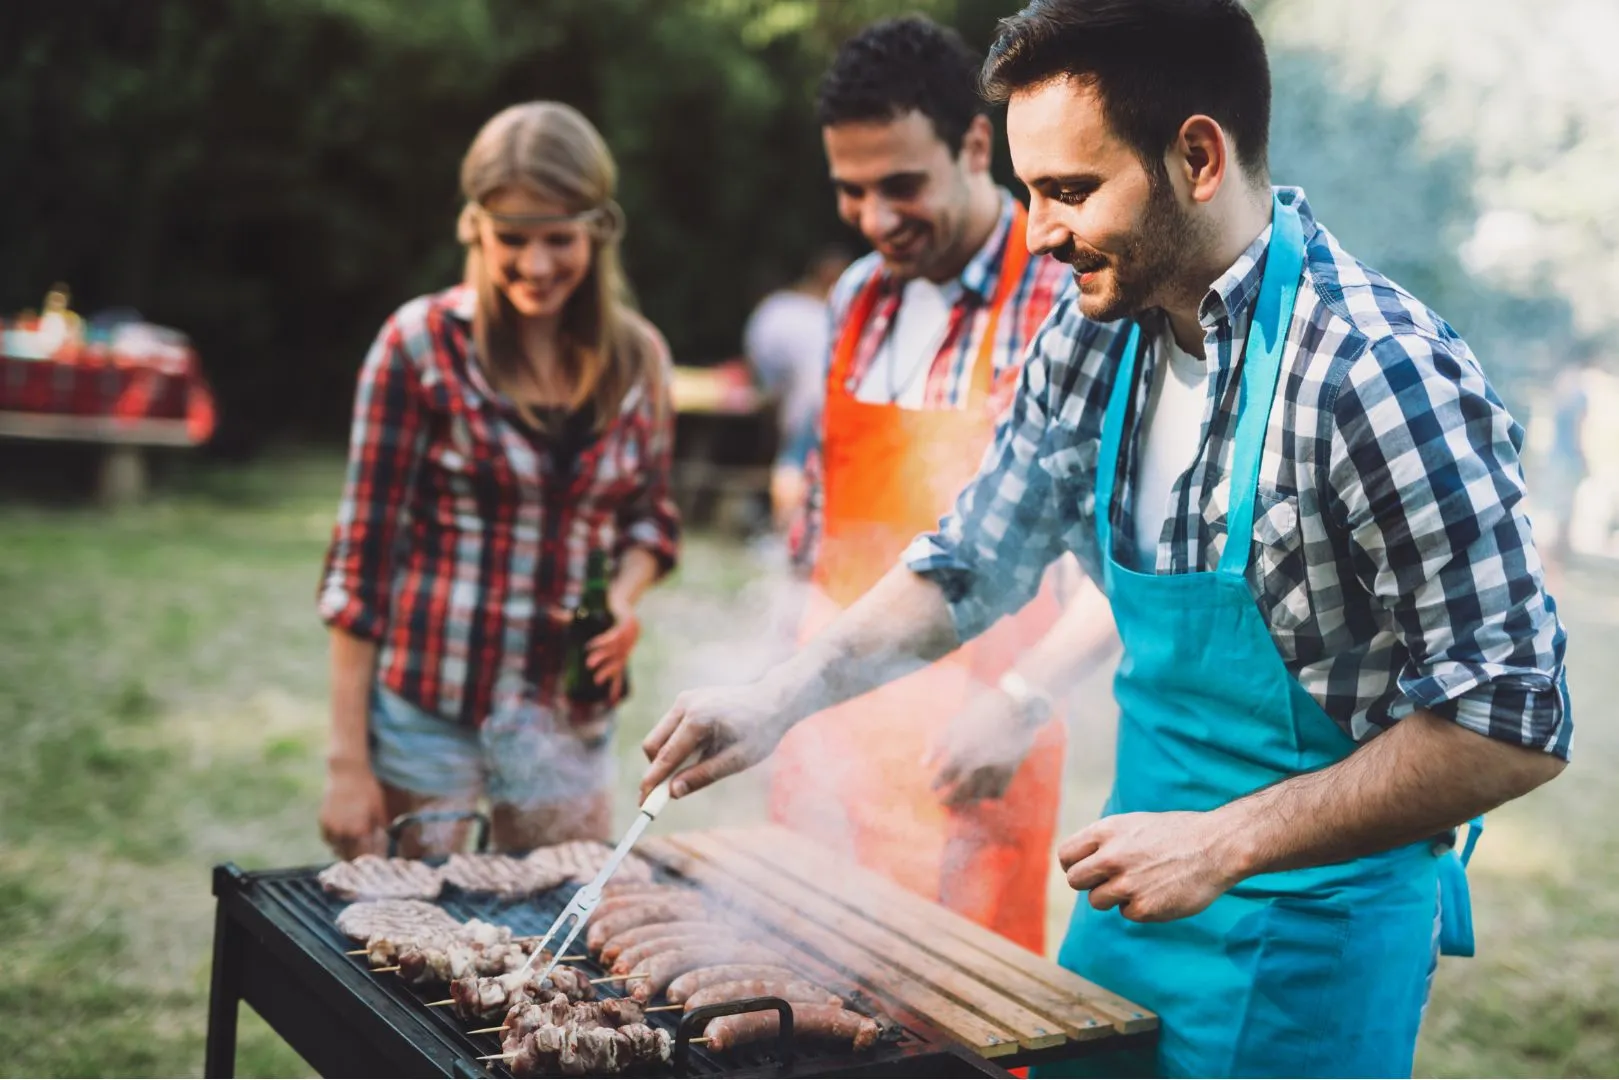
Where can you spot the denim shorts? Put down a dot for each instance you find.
(524, 754)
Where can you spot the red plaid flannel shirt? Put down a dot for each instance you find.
(460, 544)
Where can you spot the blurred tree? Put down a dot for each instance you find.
(275, 176)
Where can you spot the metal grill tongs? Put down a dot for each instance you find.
(589, 897)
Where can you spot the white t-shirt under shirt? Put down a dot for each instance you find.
(898, 373)
(1170, 427)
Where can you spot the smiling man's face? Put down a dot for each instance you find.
(1092, 203)
(905, 190)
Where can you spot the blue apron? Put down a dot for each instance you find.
(1315, 972)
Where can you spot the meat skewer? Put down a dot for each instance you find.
(485, 998)
(579, 1038)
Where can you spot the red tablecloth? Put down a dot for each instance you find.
(110, 397)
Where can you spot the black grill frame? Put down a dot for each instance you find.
(277, 947)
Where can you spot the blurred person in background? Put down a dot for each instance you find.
(928, 333)
(786, 340)
(1306, 506)
(504, 430)
(1565, 464)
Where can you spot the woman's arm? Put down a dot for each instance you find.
(352, 814)
(386, 445)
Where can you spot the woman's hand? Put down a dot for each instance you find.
(352, 813)
(607, 655)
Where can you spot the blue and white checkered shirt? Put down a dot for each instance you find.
(1392, 556)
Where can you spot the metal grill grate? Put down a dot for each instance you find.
(298, 893)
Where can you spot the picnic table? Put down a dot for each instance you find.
(725, 441)
(136, 390)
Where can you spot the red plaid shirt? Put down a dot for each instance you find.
(461, 542)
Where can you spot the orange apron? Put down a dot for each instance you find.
(852, 776)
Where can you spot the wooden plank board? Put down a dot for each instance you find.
(882, 981)
(806, 860)
(906, 965)
(1073, 1014)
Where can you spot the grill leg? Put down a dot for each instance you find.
(224, 994)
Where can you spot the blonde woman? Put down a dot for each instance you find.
(504, 429)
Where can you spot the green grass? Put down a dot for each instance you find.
(162, 689)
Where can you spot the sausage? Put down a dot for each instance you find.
(635, 959)
(631, 894)
(665, 967)
(815, 1021)
(606, 927)
(638, 934)
(794, 991)
(691, 982)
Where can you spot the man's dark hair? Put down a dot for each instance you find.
(1154, 63)
(898, 65)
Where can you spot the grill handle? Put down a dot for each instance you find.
(693, 1023)
(430, 817)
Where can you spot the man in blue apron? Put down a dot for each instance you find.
(1306, 506)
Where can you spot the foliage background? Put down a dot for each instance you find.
(275, 176)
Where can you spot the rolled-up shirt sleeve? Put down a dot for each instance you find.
(649, 519)
(1425, 471)
(991, 550)
(386, 442)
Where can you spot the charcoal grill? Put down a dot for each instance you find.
(277, 947)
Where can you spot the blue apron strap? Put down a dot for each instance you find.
(1107, 465)
(1261, 367)
(1456, 898)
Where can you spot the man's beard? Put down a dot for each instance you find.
(1147, 266)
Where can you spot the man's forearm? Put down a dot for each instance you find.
(1082, 637)
(900, 625)
(1423, 776)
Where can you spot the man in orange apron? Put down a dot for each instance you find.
(929, 331)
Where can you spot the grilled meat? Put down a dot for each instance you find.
(371, 877)
(827, 1022)
(394, 918)
(682, 988)
(793, 991)
(503, 875)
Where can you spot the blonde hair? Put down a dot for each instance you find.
(550, 150)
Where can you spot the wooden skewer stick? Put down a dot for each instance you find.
(394, 968)
(356, 952)
(621, 978)
(436, 1004)
(664, 1008)
(505, 1057)
(487, 1031)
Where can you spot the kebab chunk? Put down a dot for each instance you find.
(826, 1022)
(666, 967)
(385, 949)
(795, 992)
(507, 877)
(701, 978)
(399, 919)
(483, 998)
(559, 1009)
(371, 877)
(576, 1050)
(428, 963)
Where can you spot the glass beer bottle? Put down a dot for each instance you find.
(590, 619)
